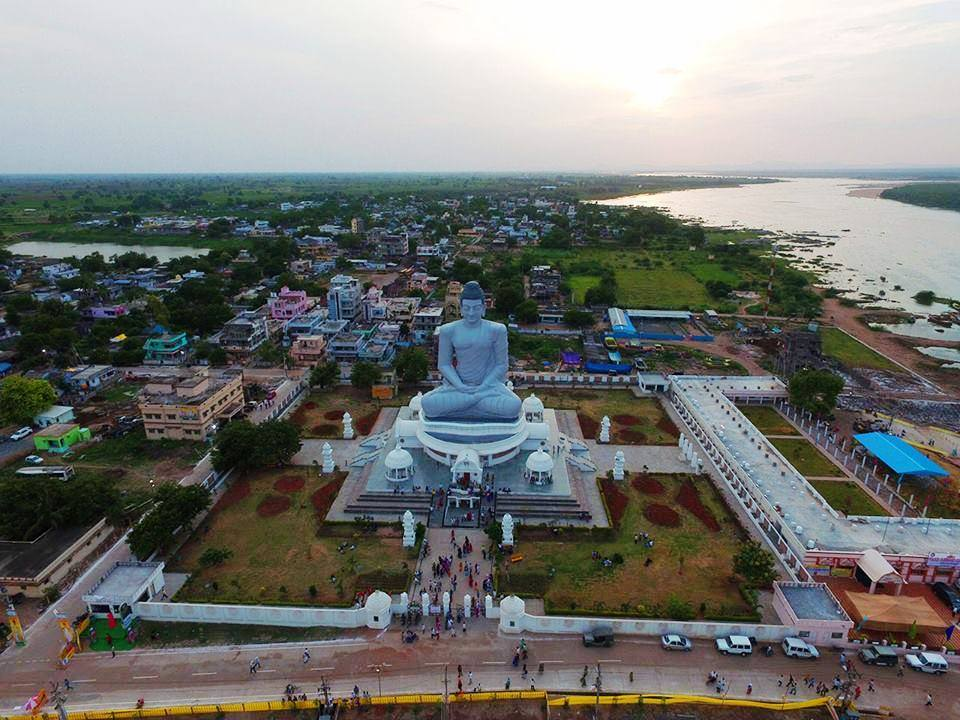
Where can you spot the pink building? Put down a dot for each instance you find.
(288, 304)
(106, 312)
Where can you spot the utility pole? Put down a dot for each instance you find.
(379, 684)
(59, 698)
(446, 694)
(325, 689)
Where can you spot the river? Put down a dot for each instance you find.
(915, 247)
(66, 249)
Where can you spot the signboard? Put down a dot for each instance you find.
(943, 560)
(382, 392)
(841, 572)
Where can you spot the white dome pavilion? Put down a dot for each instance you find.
(399, 464)
(539, 468)
(532, 408)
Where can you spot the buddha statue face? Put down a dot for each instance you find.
(472, 311)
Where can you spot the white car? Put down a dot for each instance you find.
(22, 433)
(675, 642)
(734, 645)
(927, 662)
(798, 648)
(33, 459)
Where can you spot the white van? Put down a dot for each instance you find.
(734, 645)
(795, 647)
(927, 662)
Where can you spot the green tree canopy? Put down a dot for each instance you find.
(527, 312)
(508, 296)
(578, 318)
(755, 565)
(365, 375)
(22, 398)
(324, 375)
(412, 365)
(245, 446)
(31, 508)
(815, 390)
(175, 507)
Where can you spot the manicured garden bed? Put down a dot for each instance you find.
(321, 415)
(633, 420)
(279, 556)
(688, 565)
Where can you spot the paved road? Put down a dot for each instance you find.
(9, 447)
(217, 674)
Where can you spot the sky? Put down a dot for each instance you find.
(491, 85)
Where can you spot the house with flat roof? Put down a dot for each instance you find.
(308, 350)
(60, 438)
(166, 349)
(124, 584)
(91, 378)
(242, 335)
(288, 304)
(192, 408)
(813, 610)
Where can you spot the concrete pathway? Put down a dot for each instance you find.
(658, 458)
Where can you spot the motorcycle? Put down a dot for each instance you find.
(768, 651)
(711, 678)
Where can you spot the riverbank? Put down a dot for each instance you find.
(872, 192)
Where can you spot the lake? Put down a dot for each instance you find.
(914, 247)
(66, 249)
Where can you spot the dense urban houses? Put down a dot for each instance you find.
(544, 283)
(190, 408)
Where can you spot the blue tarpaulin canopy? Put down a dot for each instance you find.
(899, 456)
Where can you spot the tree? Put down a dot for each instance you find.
(755, 565)
(527, 312)
(364, 375)
(324, 375)
(22, 398)
(412, 365)
(578, 318)
(507, 296)
(602, 294)
(176, 506)
(718, 289)
(815, 390)
(245, 446)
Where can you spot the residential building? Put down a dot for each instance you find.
(393, 245)
(344, 298)
(451, 302)
(191, 408)
(344, 347)
(308, 324)
(357, 226)
(308, 350)
(544, 282)
(106, 312)
(288, 304)
(402, 309)
(166, 349)
(59, 438)
(244, 334)
(90, 378)
(59, 271)
(373, 305)
(54, 415)
(331, 328)
(425, 323)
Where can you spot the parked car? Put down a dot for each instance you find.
(33, 459)
(22, 433)
(950, 596)
(734, 645)
(799, 648)
(927, 662)
(675, 642)
(879, 655)
(600, 636)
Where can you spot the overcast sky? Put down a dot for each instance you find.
(356, 85)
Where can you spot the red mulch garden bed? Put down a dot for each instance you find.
(365, 424)
(647, 484)
(689, 498)
(661, 515)
(323, 498)
(289, 484)
(310, 405)
(324, 429)
(273, 505)
(333, 415)
(616, 500)
(589, 426)
(626, 419)
(234, 494)
(635, 437)
(667, 425)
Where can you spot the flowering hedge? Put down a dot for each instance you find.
(616, 500)
(689, 498)
(323, 498)
(647, 484)
(661, 515)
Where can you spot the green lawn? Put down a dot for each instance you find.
(633, 420)
(180, 634)
(120, 392)
(276, 559)
(689, 562)
(806, 458)
(767, 420)
(579, 284)
(847, 497)
(659, 289)
(706, 271)
(853, 353)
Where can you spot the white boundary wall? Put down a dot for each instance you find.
(252, 614)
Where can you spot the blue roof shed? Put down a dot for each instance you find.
(898, 455)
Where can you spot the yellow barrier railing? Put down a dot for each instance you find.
(424, 699)
(668, 699)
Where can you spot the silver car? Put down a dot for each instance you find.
(676, 642)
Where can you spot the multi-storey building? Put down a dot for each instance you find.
(288, 304)
(308, 350)
(544, 282)
(425, 323)
(244, 334)
(192, 408)
(357, 226)
(166, 349)
(344, 298)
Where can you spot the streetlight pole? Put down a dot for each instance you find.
(326, 690)
(379, 685)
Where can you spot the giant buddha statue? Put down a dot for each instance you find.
(472, 358)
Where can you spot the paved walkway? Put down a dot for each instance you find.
(441, 546)
(658, 458)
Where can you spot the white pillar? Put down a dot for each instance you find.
(488, 605)
(467, 601)
(327, 455)
(446, 602)
(347, 426)
(404, 602)
(425, 603)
